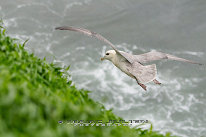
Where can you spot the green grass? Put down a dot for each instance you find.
(35, 95)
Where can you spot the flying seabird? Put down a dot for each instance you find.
(132, 65)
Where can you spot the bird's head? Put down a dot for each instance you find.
(109, 55)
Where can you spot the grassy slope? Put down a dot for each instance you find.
(34, 95)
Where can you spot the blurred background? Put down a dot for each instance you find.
(177, 27)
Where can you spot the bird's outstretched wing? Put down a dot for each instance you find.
(95, 35)
(154, 55)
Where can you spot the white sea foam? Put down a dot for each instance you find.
(199, 54)
(75, 3)
(10, 22)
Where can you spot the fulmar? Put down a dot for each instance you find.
(132, 65)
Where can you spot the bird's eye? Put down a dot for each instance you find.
(107, 53)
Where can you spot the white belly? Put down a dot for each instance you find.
(124, 67)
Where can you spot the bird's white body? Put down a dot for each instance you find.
(143, 74)
(121, 63)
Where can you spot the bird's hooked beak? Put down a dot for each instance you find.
(102, 58)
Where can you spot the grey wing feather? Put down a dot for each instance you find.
(130, 57)
(93, 34)
(143, 74)
(154, 55)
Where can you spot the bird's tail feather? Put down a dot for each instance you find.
(145, 74)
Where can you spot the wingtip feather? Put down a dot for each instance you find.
(198, 63)
(201, 64)
(59, 28)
